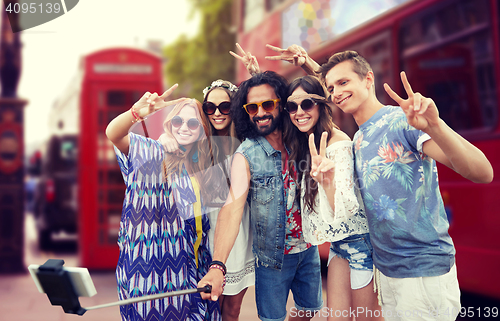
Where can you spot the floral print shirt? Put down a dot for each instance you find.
(399, 186)
(294, 240)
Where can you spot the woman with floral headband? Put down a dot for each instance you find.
(240, 264)
(332, 209)
(163, 230)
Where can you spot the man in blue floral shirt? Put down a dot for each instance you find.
(396, 149)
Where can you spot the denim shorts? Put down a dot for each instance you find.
(357, 250)
(301, 273)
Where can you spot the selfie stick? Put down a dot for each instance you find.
(205, 289)
(64, 285)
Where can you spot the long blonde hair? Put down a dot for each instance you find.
(202, 146)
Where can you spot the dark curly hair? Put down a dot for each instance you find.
(298, 142)
(244, 126)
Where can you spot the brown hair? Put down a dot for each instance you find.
(211, 130)
(221, 187)
(298, 142)
(359, 64)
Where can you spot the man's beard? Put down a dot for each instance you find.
(264, 131)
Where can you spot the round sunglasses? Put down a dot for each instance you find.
(224, 108)
(267, 105)
(306, 105)
(192, 123)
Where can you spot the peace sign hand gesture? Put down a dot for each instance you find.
(421, 112)
(296, 55)
(151, 102)
(248, 60)
(322, 168)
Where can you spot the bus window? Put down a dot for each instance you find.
(448, 55)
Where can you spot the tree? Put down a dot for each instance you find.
(195, 63)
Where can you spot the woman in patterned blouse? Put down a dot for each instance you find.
(163, 230)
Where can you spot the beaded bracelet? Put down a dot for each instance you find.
(136, 116)
(218, 267)
(219, 263)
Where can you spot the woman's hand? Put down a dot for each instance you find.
(151, 102)
(169, 143)
(215, 279)
(296, 55)
(322, 168)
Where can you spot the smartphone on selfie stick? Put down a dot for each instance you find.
(63, 286)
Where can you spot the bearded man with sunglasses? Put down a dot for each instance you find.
(260, 174)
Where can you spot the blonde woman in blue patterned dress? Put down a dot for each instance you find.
(163, 232)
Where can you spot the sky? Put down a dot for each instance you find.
(51, 52)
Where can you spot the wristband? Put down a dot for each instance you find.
(218, 267)
(136, 116)
(220, 264)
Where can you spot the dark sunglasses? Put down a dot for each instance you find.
(224, 108)
(192, 123)
(267, 105)
(306, 105)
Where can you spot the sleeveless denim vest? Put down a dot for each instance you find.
(266, 201)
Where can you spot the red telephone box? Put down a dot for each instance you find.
(113, 80)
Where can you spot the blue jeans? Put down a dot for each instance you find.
(357, 249)
(301, 273)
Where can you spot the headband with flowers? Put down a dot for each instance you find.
(220, 83)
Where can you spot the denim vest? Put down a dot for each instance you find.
(266, 201)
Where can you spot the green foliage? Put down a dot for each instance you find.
(195, 63)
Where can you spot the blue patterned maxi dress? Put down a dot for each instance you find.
(157, 237)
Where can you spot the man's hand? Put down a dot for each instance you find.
(296, 55)
(421, 112)
(248, 60)
(214, 278)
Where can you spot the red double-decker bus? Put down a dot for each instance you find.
(450, 50)
(83, 178)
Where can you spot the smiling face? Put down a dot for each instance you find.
(264, 122)
(220, 121)
(347, 90)
(304, 121)
(183, 134)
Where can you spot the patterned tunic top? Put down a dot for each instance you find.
(157, 238)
